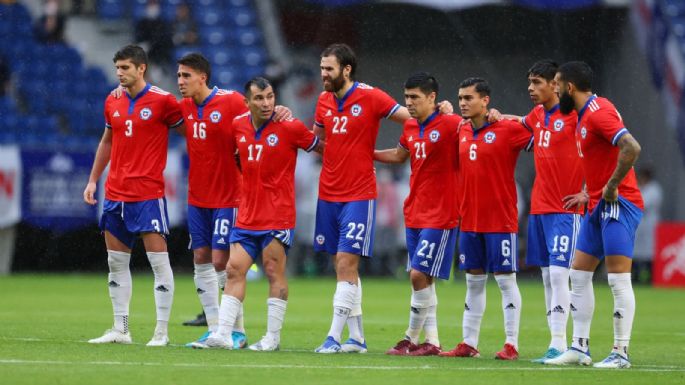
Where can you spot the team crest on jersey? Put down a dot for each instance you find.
(356, 110)
(490, 137)
(558, 125)
(215, 116)
(145, 113)
(434, 136)
(272, 140)
(320, 239)
(583, 132)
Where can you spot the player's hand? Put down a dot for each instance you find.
(117, 92)
(610, 194)
(89, 193)
(575, 200)
(282, 113)
(494, 116)
(445, 107)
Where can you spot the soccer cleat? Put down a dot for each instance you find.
(549, 354)
(239, 340)
(508, 353)
(462, 350)
(614, 361)
(217, 341)
(266, 344)
(426, 349)
(353, 346)
(199, 341)
(402, 348)
(572, 356)
(159, 339)
(200, 320)
(112, 336)
(330, 345)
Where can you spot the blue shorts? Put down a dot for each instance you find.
(610, 229)
(431, 250)
(492, 252)
(552, 239)
(127, 220)
(210, 227)
(254, 241)
(345, 226)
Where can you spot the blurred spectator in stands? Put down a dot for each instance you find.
(386, 250)
(276, 74)
(5, 76)
(50, 26)
(155, 34)
(185, 29)
(652, 196)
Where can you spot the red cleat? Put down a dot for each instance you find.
(402, 348)
(462, 350)
(426, 349)
(507, 353)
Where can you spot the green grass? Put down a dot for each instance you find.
(46, 319)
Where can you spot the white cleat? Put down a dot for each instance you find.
(266, 344)
(159, 339)
(570, 357)
(217, 341)
(112, 336)
(353, 346)
(614, 361)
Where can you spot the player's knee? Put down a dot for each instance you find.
(419, 280)
(118, 261)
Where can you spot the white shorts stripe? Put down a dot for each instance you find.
(165, 229)
(369, 225)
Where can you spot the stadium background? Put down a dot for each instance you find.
(52, 110)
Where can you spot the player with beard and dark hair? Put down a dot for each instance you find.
(608, 152)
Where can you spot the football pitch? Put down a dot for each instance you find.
(45, 321)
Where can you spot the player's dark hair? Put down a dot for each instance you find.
(259, 82)
(482, 86)
(577, 72)
(545, 69)
(197, 62)
(132, 52)
(344, 54)
(423, 81)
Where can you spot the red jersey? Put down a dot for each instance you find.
(557, 165)
(214, 180)
(267, 157)
(487, 159)
(140, 136)
(351, 127)
(433, 148)
(600, 126)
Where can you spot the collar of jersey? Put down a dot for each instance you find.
(341, 102)
(261, 128)
(549, 113)
(477, 130)
(429, 119)
(582, 110)
(202, 105)
(132, 101)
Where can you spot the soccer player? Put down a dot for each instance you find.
(348, 115)
(266, 217)
(489, 218)
(608, 152)
(135, 139)
(430, 140)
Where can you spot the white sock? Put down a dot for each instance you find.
(559, 304)
(624, 310)
(511, 305)
(239, 325)
(164, 285)
(354, 321)
(582, 307)
(547, 285)
(275, 316)
(343, 301)
(228, 310)
(474, 307)
(430, 326)
(120, 287)
(420, 301)
(221, 279)
(208, 291)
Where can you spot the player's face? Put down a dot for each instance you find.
(261, 102)
(540, 90)
(471, 103)
(332, 75)
(128, 73)
(566, 102)
(190, 82)
(420, 105)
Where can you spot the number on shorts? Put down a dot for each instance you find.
(506, 248)
(560, 244)
(221, 227)
(155, 224)
(425, 244)
(355, 226)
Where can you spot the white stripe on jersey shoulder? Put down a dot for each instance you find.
(158, 90)
(364, 86)
(222, 91)
(244, 114)
(594, 106)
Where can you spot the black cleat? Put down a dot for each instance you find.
(200, 320)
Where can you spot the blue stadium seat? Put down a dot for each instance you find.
(221, 57)
(111, 9)
(215, 35)
(243, 17)
(181, 51)
(223, 75)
